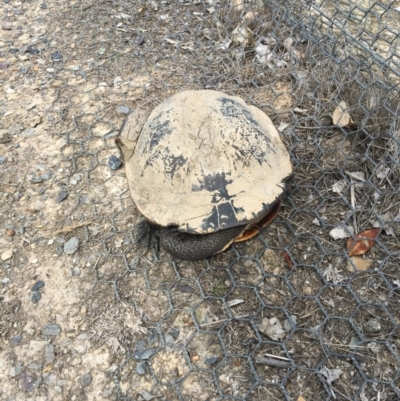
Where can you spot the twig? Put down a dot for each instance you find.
(68, 228)
(222, 321)
(278, 357)
(272, 362)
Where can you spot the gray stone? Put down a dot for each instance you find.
(211, 361)
(86, 379)
(35, 366)
(28, 132)
(141, 368)
(3, 159)
(123, 109)
(140, 40)
(134, 263)
(36, 296)
(57, 56)
(62, 196)
(51, 330)
(51, 378)
(49, 355)
(144, 354)
(169, 339)
(71, 246)
(17, 339)
(373, 326)
(76, 271)
(114, 162)
(37, 179)
(4, 136)
(26, 382)
(15, 371)
(38, 285)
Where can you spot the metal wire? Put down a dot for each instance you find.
(296, 60)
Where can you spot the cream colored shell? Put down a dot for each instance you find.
(203, 161)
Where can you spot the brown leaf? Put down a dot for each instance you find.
(288, 259)
(341, 116)
(363, 242)
(301, 398)
(359, 263)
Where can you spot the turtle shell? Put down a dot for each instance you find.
(205, 161)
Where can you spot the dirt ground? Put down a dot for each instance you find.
(89, 311)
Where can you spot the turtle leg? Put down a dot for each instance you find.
(197, 246)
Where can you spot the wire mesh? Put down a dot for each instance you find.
(288, 315)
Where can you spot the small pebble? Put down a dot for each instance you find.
(169, 339)
(145, 354)
(373, 326)
(43, 6)
(15, 371)
(86, 379)
(26, 382)
(6, 26)
(17, 339)
(5, 137)
(114, 162)
(51, 330)
(24, 70)
(71, 246)
(36, 296)
(10, 232)
(139, 40)
(134, 263)
(136, 53)
(62, 196)
(38, 285)
(76, 271)
(211, 361)
(32, 50)
(3, 159)
(49, 353)
(123, 109)
(57, 56)
(141, 368)
(5, 280)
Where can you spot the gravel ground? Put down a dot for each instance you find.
(90, 312)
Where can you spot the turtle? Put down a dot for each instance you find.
(204, 167)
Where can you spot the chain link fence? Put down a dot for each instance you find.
(283, 316)
(291, 314)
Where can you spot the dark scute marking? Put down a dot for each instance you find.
(211, 221)
(227, 215)
(216, 183)
(160, 126)
(250, 129)
(171, 163)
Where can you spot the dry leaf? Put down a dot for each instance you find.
(363, 242)
(359, 263)
(330, 374)
(288, 259)
(340, 116)
(339, 186)
(300, 398)
(288, 44)
(242, 35)
(358, 175)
